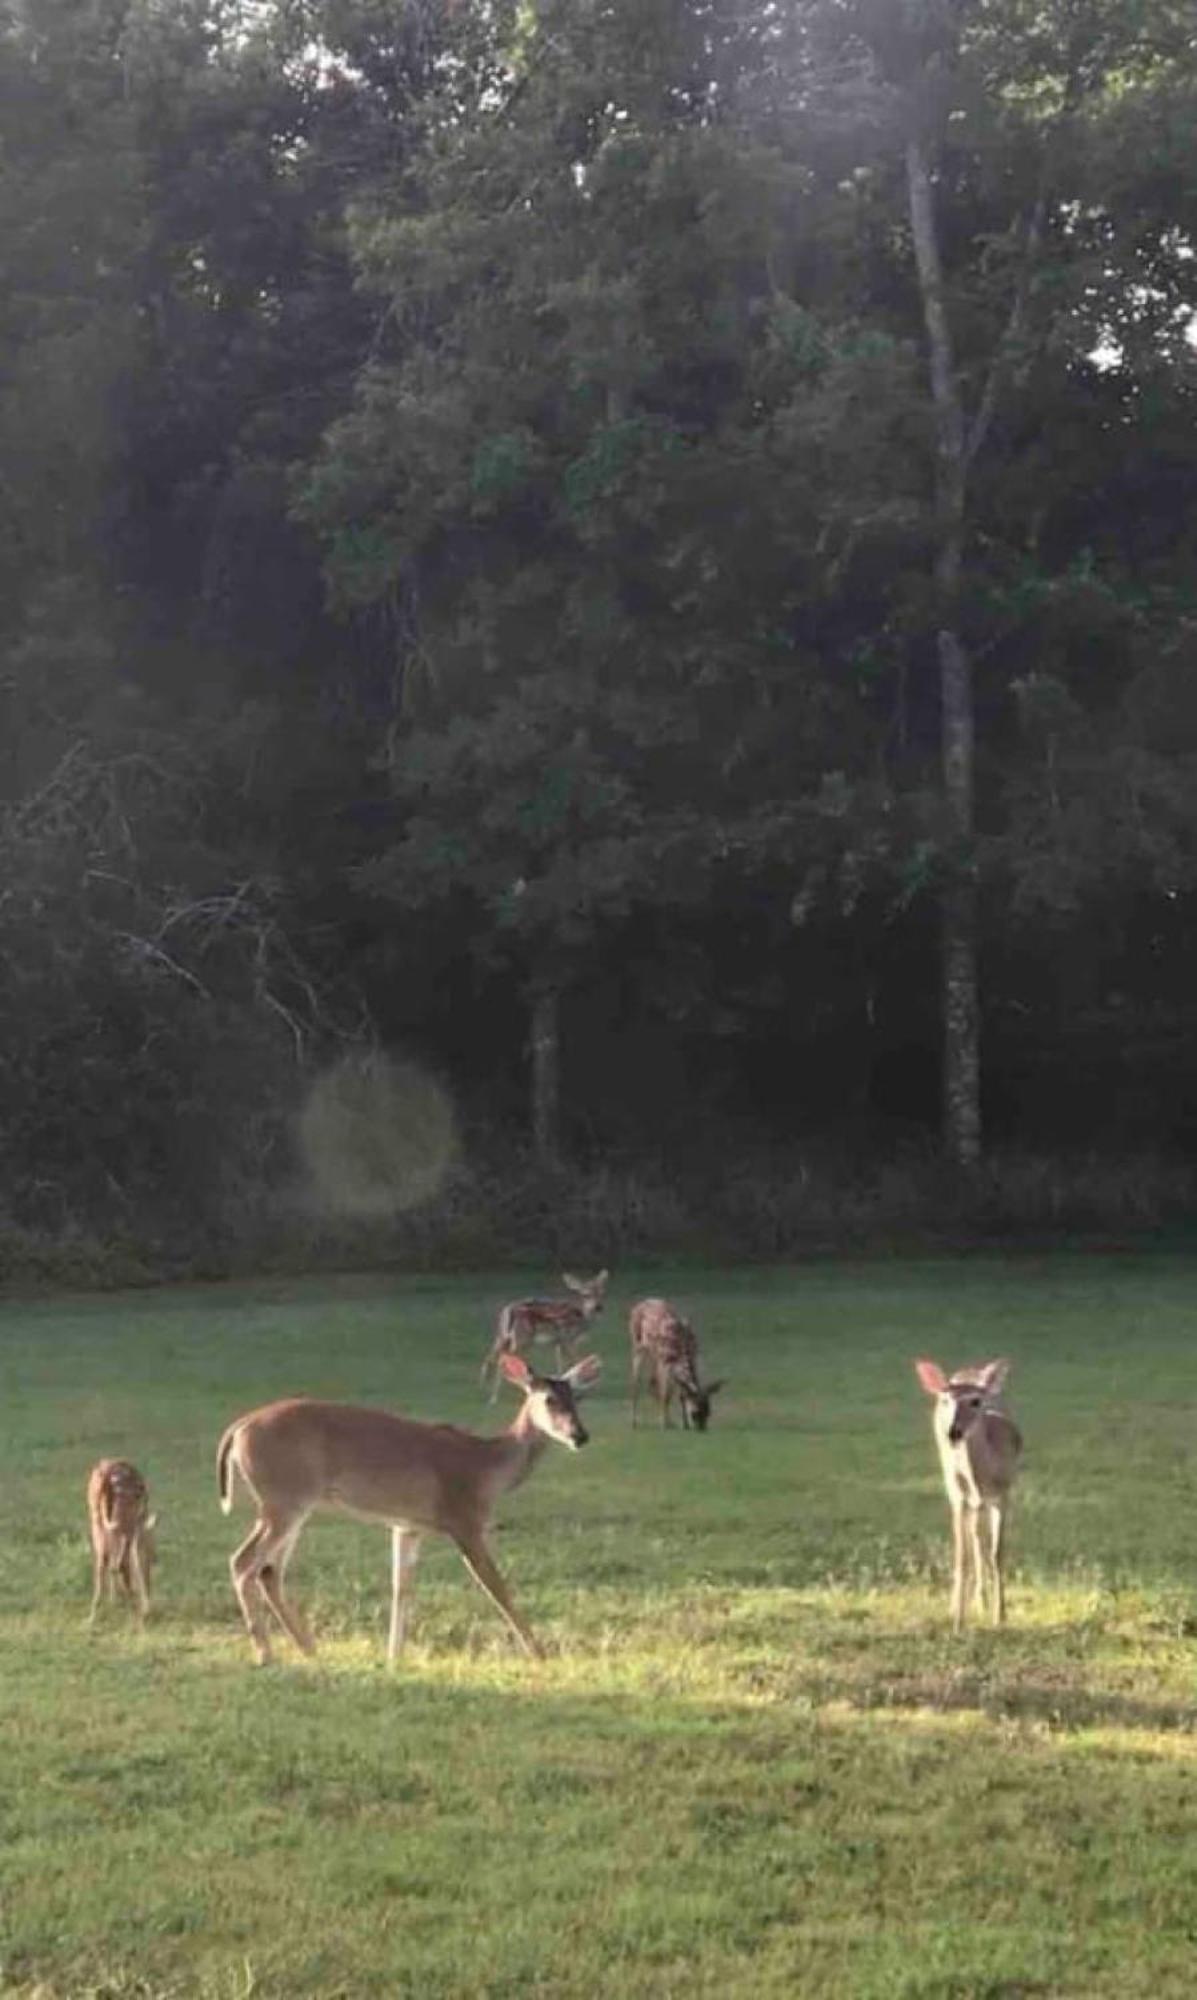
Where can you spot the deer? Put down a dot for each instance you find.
(122, 1533)
(522, 1322)
(979, 1451)
(667, 1345)
(299, 1457)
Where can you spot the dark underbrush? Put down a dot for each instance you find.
(500, 1207)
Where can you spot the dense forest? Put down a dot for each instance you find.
(635, 557)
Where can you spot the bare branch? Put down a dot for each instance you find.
(148, 948)
(269, 999)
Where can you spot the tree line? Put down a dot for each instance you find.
(641, 549)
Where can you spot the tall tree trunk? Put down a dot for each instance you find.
(545, 1045)
(959, 981)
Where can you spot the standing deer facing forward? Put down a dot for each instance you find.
(122, 1532)
(667, 1345)
(979, 1450)
(563, 1321)
(300, 1457)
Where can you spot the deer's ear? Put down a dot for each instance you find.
(574, 1284)
(516, 1369)
(931, 1376)
(584, 1373)
(602, 1280)
(993, 1374)
(713, 1388)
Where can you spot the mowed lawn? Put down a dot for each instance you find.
(755, 1761)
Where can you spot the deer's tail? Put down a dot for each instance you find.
(224, 1469)
(501, 1341)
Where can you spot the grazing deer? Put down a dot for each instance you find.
(299, 1457)
(122, 1532)
(979, 1450)
(563, 1321)
(667, 1345)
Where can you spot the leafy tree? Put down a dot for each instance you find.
(566, 480)
(756, 499)
(152, 995)
(974, 133)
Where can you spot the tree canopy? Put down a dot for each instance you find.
(659, 525)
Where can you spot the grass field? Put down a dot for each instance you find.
(755, 1762)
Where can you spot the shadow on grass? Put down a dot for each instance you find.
(1001, 1699)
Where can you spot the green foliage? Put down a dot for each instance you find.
(495, 441)
(563, 450)
(602, 427)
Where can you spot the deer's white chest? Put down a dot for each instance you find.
(960, 1475)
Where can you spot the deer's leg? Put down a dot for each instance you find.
(248, 1591)
(273, 1556)
(477, 1559)
(405, 1552)
(137, 1580)
(959, 1565)
(637, 1371)
(977, 1555)
(120, 1571)
(997, 1522)
(97, 1581)
(244, 1567)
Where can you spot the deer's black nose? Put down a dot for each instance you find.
(955, 1434)
(581, 1437)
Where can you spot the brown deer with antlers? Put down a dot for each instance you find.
(301, 1457)
(523, 1322)
(979, 1450)
(667, 1346)
(122, 1533)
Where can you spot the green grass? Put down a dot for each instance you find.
(755, 1762)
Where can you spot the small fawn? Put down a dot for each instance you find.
(667, 1345)
(122, 1532)
(979, 1449)
(522, 1322)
